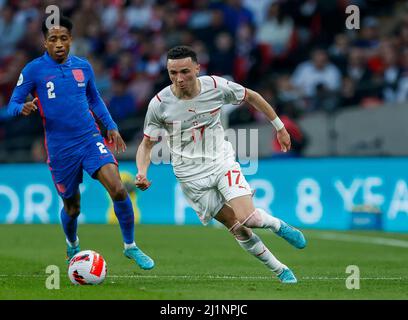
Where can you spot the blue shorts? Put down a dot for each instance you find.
(67, 171)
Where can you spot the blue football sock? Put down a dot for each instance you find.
(69, 225)
(124, 213)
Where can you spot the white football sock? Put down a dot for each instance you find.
(255, 246)
(261, 219)
(129, 245)
(73, 244)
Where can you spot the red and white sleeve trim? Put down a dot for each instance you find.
(151, 138)
(245, 94)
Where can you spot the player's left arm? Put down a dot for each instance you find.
(258, 102)
(235, 93)
(99, 108)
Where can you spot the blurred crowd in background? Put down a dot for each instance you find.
(297, 53)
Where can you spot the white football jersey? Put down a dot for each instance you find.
(193, 127)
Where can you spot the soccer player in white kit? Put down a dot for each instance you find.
(204, 162)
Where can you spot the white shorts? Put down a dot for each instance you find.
(208, 195)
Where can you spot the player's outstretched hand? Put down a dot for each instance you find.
(115, 138)
(141, 182)
(29, 107)
(284, 139)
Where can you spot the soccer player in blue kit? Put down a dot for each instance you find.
(65, 94)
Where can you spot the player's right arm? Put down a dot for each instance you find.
(152, 129)
(143, 162)
(24, 86)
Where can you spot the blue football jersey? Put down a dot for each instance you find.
(67, 101)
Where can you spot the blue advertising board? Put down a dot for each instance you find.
(319, 193)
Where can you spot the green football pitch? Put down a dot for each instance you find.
(200, 263)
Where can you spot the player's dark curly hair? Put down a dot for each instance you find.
(64, 22)
(181, 52)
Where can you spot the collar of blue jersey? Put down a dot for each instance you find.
(52, 61)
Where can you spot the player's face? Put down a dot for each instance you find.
(183, 73)
(58, 42)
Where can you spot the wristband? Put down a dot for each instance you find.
(277, 123)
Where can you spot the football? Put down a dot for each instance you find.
(87, 267)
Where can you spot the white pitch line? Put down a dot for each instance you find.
(210, 277)
(245, 277)
(362, 239)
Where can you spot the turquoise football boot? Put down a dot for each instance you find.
(287, 276)
(142, 260)
(292, 235)
(72, 251)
